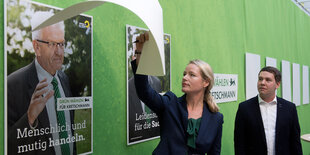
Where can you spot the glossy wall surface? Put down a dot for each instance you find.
(219, 32)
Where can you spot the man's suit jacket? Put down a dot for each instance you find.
(20, 87)
(135, 108)
(249, 134)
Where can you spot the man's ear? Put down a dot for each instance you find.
(278, 84)
(36, 47)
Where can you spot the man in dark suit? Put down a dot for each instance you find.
(138, 108)
(267, 124)
(34, 125)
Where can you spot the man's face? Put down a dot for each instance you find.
(50, 57)
(267, 84)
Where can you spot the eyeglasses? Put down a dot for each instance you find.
(53, 45)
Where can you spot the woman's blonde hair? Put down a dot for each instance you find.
(207, 74)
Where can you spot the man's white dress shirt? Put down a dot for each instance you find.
(269, 117)
(50, 105)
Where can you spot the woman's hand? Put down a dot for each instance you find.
(140, 40)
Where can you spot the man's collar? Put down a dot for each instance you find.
(260, 100)
(42, 73)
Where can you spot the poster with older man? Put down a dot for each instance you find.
(48, 102)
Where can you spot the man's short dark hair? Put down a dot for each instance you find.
(276, 73)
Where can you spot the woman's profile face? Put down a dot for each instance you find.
(192, 81)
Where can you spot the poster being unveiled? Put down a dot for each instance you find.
(142, 123)
(48, 81)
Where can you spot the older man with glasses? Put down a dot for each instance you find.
(34, 123)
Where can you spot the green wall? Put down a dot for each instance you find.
(217, 31)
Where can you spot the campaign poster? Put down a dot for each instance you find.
(142, 123)
(225, 88)
(48, 82)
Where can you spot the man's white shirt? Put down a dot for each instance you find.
(50, 105)
(269, 117)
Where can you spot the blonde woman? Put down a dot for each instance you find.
(190, 124)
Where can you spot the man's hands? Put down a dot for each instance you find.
(140, 40)
(38, 100)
